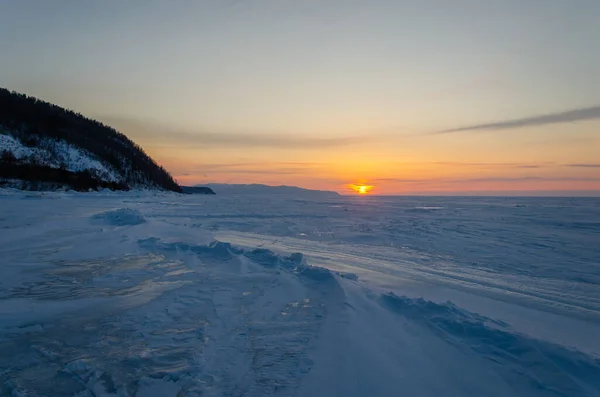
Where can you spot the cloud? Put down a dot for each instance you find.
(166, 136)
(533, 178)
(227, 167)
(583, 165)
(551, 118)
(253, 170)
(494, 165)
(489, 179)
(509, 179)
(529, 166)
(267, 168)
(402, 180)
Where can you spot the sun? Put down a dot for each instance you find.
(361, 189)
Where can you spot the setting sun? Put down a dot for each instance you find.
(361, 189)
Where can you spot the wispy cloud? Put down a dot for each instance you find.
(521, 179)
(583, 165)
(402, 180)
(529, 166)
(227, 167)
(490, 179)
(569, 116)
(167, 136)
(493, 165)
(209, 170)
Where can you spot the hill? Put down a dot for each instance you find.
(230, 189)
(196, 190)
(44, 146)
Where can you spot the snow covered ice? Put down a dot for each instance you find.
(157, 294)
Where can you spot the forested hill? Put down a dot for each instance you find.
(44, 145)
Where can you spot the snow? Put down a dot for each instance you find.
(14, 146)
(158, 294)
(56, 154)
(121, 217)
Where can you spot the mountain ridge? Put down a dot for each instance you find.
(258, 188)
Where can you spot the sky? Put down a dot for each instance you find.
(408, 96)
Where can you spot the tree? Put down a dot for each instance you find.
(7, 157)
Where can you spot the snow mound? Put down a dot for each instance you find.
(268, 258)
(315, 273)
(294, 263)
(349, 276)
(215, 249)
(524, 360)
(121, 217)
(264, 257)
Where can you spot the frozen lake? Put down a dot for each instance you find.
(157, 294)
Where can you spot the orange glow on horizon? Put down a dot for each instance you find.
(361, 189)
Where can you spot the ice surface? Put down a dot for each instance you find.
(157, 294)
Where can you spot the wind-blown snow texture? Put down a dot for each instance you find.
(158, 294)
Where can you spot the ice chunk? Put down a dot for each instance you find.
(121, 217)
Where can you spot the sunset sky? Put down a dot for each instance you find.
(412, 97)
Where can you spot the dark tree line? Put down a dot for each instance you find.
(28, 118)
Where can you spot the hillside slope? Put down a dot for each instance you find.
(44, 146)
